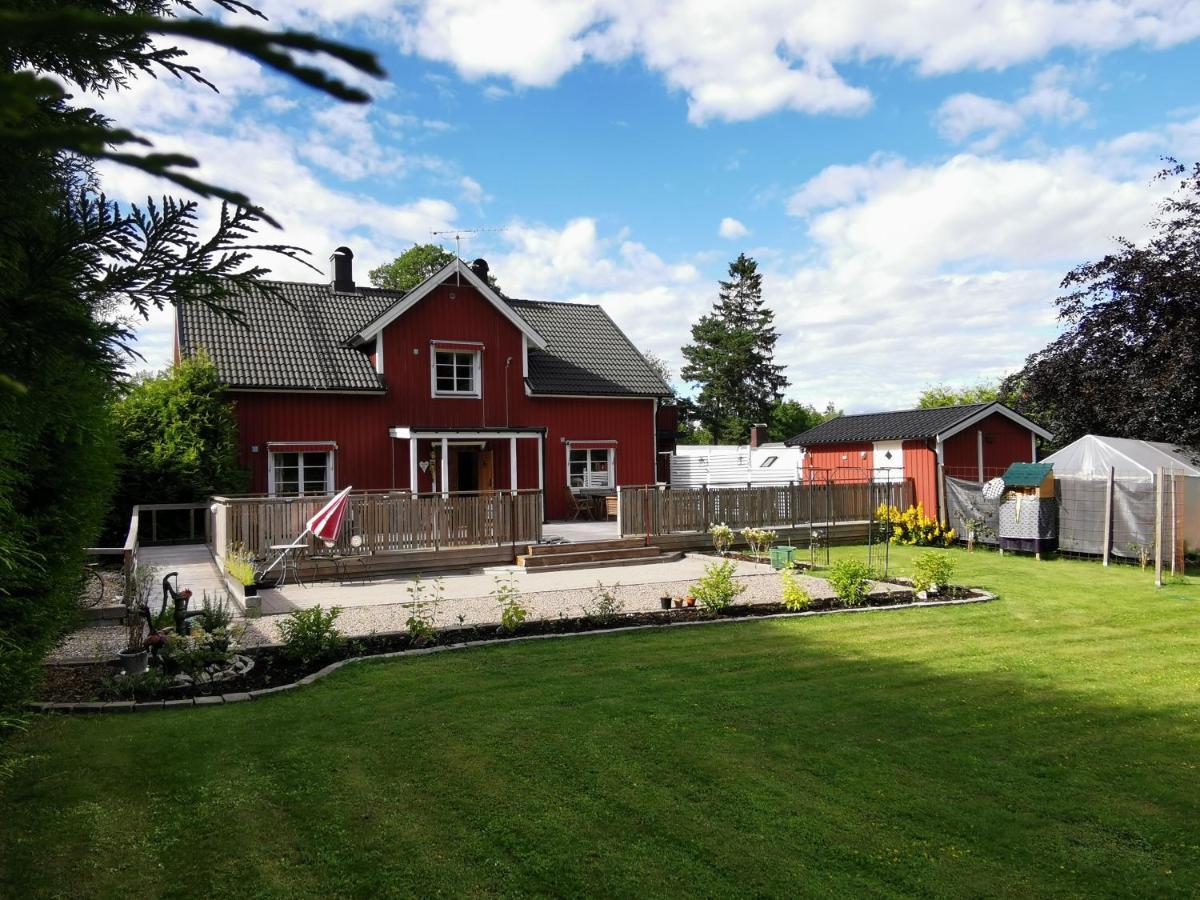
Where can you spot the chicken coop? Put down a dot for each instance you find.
(1028, 516)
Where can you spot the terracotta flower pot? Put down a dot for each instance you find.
(678, 602)
(691, 601)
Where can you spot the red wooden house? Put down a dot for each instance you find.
(976, 441)
(448, 387)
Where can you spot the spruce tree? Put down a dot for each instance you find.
(732, 358)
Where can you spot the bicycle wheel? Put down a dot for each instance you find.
(92, 590)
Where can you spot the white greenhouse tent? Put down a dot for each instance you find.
(1093, 455)
(1082, 470)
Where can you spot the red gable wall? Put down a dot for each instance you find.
(369, 459)
(1004, 442)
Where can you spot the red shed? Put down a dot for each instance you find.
(974, 441)
(448, 387)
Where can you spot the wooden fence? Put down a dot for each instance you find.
(658, 509)
(386, 522)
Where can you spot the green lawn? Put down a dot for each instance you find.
(1045, 744)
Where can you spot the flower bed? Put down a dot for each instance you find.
(272, 667)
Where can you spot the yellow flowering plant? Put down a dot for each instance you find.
(913, 527)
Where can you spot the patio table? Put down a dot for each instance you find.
(290, 561)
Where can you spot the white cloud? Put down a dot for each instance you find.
(940, 272)
(731, 229)
(472, 191)
(740, 61)
(1049, 98)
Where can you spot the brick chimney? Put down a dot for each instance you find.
(759, 434)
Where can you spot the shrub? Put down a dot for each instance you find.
(932, 569)
(193, 653)
(759, 540)
(150, 685)
(851, 580)
(716, 588)
(214, 613)
(795, 598)
(512, 611)
(309, 635)
(722, 537)
(425, 607)
(604, 606)
(913, 527)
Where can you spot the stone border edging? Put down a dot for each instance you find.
(129, 706)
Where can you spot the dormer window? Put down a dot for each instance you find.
(455, 373)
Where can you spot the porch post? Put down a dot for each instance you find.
(541, 461)
(412, 464)
(512, 463)
(445, 467)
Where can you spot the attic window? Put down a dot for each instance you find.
(455, 373)
(768, 462)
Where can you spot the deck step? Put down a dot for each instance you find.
(587, 556)
(585, 546)
(608, 564)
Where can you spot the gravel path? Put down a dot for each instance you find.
(105, 641)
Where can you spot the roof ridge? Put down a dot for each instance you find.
(917, 409)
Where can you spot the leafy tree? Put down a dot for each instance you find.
(414, 265)
(731, 358)
(74, 268)
(1128, 362)
(947, 395)
(659, 365)
(177, 436)
(791, 417)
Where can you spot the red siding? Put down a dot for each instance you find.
(1004, 442)
(920, 464)
(360, 425)
(844, 461)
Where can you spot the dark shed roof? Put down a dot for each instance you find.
(295, 339)
(907, 424)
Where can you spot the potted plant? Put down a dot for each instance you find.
(678, 602)
(136, 655)
(691, 601)
(665, 600)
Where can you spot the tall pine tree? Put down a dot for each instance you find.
(732, 358)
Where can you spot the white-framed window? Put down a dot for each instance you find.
(591, 468)
(299, 473)
(455, 373)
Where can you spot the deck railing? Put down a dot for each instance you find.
(386, 522)
(660, 509)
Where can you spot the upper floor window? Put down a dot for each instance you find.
(768, 462)
(456, 373)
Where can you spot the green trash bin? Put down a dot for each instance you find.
(782, 556)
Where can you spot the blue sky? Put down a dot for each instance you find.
(913, 179)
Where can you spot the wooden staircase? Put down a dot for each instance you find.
(620, 552)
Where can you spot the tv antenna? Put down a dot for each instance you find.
(458, 233)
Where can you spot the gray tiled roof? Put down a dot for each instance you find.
(907, 424)
(292, 340)
(586, 353)
(295, 341)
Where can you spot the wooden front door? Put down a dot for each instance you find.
(487, 478)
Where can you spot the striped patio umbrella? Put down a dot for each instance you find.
(328, 520)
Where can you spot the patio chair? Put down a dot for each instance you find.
(580, 507)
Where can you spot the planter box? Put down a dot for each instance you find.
(244, 595)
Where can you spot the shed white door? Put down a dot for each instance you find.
(889, 455)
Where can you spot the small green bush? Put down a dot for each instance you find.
(931, 570)
(716, 589)
(309, 635)
(851, 580)
(214, 613)
(605, 605)
(512, 610)
(795, 598)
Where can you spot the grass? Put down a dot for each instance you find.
(1046, 744)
